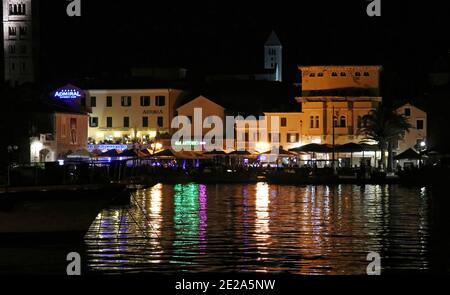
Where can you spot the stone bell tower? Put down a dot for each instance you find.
(18, 50)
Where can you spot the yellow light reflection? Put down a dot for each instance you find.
(262, 211)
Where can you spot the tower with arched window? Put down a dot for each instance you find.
(273, 56)
(17, 41)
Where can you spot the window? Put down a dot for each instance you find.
(420, 124)
(160, 101)
(335, 121)
(93, 101)
(343, 74)
(292, 137)
(334, 74)
(343, 122)
(317, 122)
(358, 74)
(109, 122)
(23, 49)
(407, 112)
(126, 122)
(360, 122)
(160, 122)
(312, 75)
(12, 49)
(283, 122)
(109, 101)
(311, 125)
(23, 31)
(320, 75)
(12, 31)
(145, 101)
(366, 74)
(126, 101)
(144, 121)
(93, 122)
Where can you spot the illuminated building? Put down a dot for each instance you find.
(18, 42)
(61, 126)
(416, 138)
(208, 109)
(333, 102)
(125, 115)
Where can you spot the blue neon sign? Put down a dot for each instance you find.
(68, 92)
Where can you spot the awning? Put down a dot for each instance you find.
(409, 154)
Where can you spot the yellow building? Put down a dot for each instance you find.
(333, 102)
(124, 115)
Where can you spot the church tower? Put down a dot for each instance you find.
(17, 41)
(273, 56)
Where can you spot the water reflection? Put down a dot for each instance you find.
(261, 227)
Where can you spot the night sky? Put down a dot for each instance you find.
(218, 36)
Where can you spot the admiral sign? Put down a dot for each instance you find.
(68, 93)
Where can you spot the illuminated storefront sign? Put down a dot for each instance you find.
(189, 143)
(107, 147)
(68, 92)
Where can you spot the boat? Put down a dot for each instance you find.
(53, 212)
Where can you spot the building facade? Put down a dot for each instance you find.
(130, 115)
(18, 41)
(416, 138)
(67, 135)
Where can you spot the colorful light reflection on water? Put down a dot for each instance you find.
(263, 228)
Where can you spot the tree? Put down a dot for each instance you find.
(385, 126)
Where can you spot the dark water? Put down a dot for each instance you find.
(269, 228)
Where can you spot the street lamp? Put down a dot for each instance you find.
(11, 149)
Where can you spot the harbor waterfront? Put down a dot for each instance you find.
(253, 228)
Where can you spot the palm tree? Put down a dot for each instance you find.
(384, 126)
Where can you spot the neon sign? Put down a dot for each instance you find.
(68, 92)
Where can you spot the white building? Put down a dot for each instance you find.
(416, 138)
(18, 41)
(127, 115)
